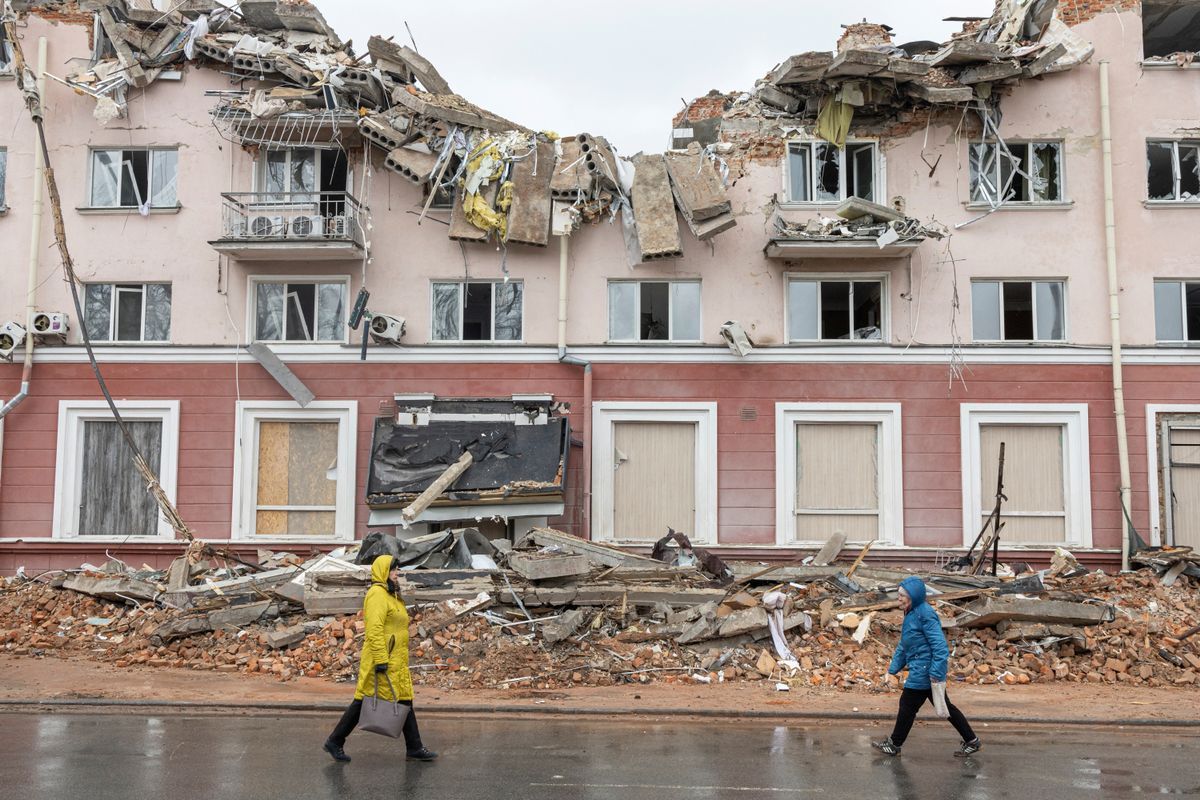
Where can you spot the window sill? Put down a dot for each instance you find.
(293, 342)
(810, 204)
(1167, 65)
(838, 342)
(1020, 342)
(1171, 203)
(124, 210)
(655, 342)
(1058, 205)
(475, 342)
(127, 343)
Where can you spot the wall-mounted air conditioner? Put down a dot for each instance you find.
(307, 227)
(265, 227)
(51, 324)
(385, 328)
(11, 337)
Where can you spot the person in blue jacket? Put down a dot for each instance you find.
(923, 650)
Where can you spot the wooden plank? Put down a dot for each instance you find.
(529, 214)
(655, 222)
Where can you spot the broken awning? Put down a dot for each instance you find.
(453, 513)
(521, 464)
(837, 247)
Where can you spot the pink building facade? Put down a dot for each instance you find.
(878, 388)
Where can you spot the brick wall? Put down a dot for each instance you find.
(1074, 12)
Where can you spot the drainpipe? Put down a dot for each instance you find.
(564, 358)
(1114, 312)
(34, 248)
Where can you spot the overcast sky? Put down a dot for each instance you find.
(621, 68)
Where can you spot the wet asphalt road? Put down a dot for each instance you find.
(96, 757)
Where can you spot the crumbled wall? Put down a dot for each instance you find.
(863, 35)
(1074, 12)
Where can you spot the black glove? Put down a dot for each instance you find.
(381, 669)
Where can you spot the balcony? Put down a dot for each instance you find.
(299, 226)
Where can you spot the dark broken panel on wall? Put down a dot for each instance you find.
(1170, 27)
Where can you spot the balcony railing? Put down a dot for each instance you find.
(272, 225)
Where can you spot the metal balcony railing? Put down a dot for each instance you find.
(291, 217)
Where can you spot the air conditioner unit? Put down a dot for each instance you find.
(307, 227)
(266, 227)
(50, 323)
(386, 328)
(337, 226)
(11, 337)
(735, 336)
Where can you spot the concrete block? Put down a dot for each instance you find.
(412, 164)
(656, 224)
(425, 72)
(460, 229)
(287, 637)
(529, 214)
(571, 178)
(558, 629)
(802, 68)
(697, 186)
(537, 567)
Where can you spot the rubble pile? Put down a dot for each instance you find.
(295, 83)
(564, 612)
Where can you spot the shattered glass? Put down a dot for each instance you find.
(622, 311)
(1160, 170)
(802, 310)
(509, 298)
(268, 312)
(331, 298)
(135, 178)
(300, 310)
(304, 171)
(1051, 314)
(129, 313)
(1191, 310)
(1189, 172)
(446, 309)
(164, 170)
(158, 312)
(828, 173)
(1045, 166)
(1013, 169)
(868, 310)
(860, 171)
(685, 311)
(105, 180)
(97, 311)
(274, 174)
(983, 173)
(1168, 312)
(654, 311)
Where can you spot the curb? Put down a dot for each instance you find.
(18, 705)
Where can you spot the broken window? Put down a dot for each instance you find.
(1035, 509)
(1173, 171)
(1176, 311)
(837, 480)
(834, 309)
(1170, 26)
(299, 312)
(477, 311)
(1021, 311)
(6, 56)
(1030, 172)
(297, 478)
(142, 179)
(654, 311)
(823, 173)
(128, 312)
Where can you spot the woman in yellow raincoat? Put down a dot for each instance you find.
(384, 659)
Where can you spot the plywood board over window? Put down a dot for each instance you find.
(654, 479)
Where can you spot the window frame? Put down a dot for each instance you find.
(1182, 283)
(254, 281)
(248, 413)
(890, 463)
(1175, 172)
(702, 414)
(637, 311)
(114, 305)
(68, 472)
(149, 150)
(1063, 196)
(3, 176)
(7, 63)
(839, 277)
(1066, 337)
(1077, 493)
(462, 284)
(877, 164)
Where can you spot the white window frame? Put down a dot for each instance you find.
(259, 172)
(877, 164)
(839, 277)
(702, 414)
(245, 462)
(462, 284)
(1028, 144)
(7, 62)
(1158, 532)
(1066, 337)
(121, 175)
(69, 464)
(1182, 283)
(890, 454)
(637, 311)
(113, 305)
(1175, 171)
(3, 177)
(252, 283)
(1076, 465)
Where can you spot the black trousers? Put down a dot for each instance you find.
(911, 701)
(349, 720)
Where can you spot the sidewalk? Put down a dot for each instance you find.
(26, 682)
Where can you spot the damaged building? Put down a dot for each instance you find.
(331, 296)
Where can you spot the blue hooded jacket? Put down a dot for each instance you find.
(922, 646)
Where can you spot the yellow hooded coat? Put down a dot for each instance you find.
(386, 619)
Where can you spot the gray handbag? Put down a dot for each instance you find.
(381, 716)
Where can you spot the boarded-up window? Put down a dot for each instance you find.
(654, 479)
(296, 492)
(837, 480)
(1034, 481)
(1184, 507)
(113, 500)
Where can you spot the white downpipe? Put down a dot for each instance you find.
(562, 293)
(1114, 311)
(34, 245)
(565, 358)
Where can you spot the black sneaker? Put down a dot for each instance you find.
(424, 754)
(337, 752)
(887, 748)
(968, 748)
